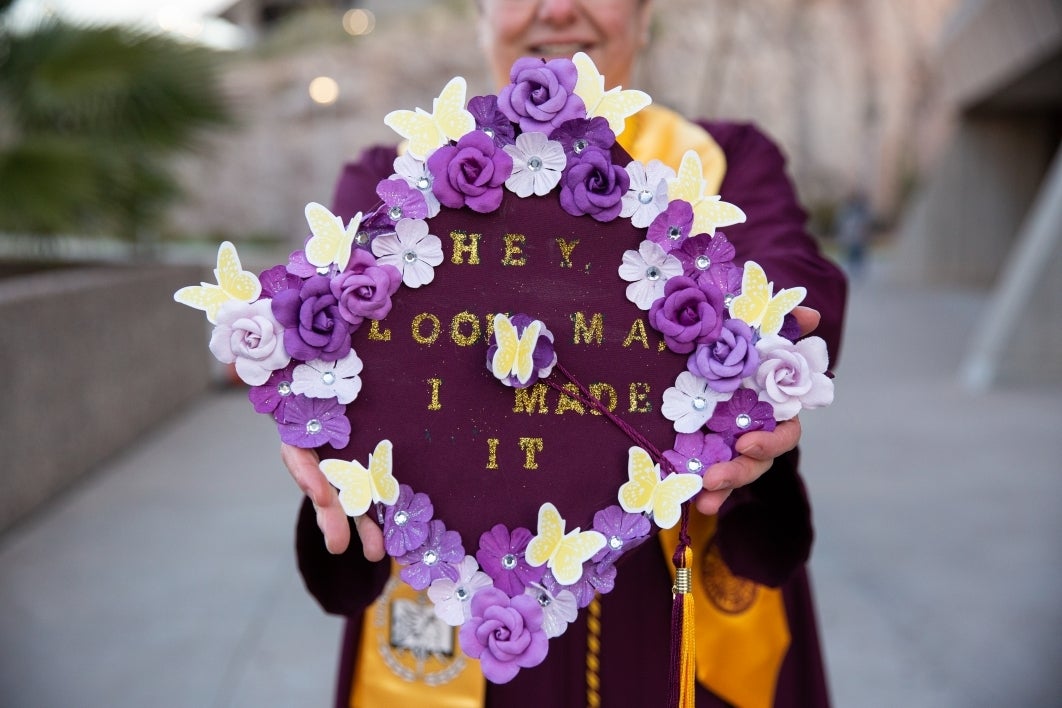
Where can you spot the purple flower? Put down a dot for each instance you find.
(541, 95)
(578, 134)
(504, 633)
(622, 532)
(364, 289)
(491, 120)
(593, 185)
(470, 173)
(313, 325)
(299, 266)
(695, 452)
(401, 200)
(274, 394)
(405, 525)
(543, 358)
(312, 422)
(501, 555)
(596, 578)
(278, 278)
(559, 608)
(792, 375)
(437, 557)
(646, 197)
(742, 414)
(688, 314)
(690, 402)
(710, 258)
(727, 360)
(416, 174)
(453, 598)
(248, 335)
(671, 226)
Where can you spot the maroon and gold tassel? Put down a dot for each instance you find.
(682, 674)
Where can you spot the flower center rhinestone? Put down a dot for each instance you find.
(508, 561)
(729, 298)
(328, 378)
(423, 183)
(461, 594)
(694, 465)
(401, 518)
(324, 270)
(409, 257)
(284, 388)
(674, 233)
(313, 426)
(430, 558)
(652, 273)
(615, 542)
(544, 599)
(489, 132)
(579, 145)
(361, 238)
(703, 262)
(534, 164)
(645, 196)
(699, 403)
(743, 421)
(395, 213)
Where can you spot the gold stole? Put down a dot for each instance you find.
(409, 657)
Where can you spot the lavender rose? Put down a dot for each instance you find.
(470, 173)
(792, 375)
(593, 185)
(541, 95)
(504, 633)
(313, 325)
(690, 313)
(249, 336)
(364, 289)
(727, 360)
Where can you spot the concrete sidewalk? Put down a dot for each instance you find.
(167, 579)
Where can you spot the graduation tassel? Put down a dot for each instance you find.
(682, 672)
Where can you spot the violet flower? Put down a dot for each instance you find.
(541, 95)
(435, 558)
(792, 375)
(504, 633)
(278, 278)
(400, 200)
(597, 578)
(299, 266)
(273, 396)
(695, 452)
(405, 523)
(727, 360)
(248, 336)
(470, 173)
(671, 226)
(416, 174)
(501, 555)
(364, 289)
(491, 120)
(543, 357)
(453, 598)
(710, 258)
(622, 531)
(593, 185)
(689, 313)
(742, 414)
(313, 422)
(578, 134)
(313, 325)
(559, 608)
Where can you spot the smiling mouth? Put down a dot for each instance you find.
(566, 49)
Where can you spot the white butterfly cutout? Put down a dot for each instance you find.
(614, 105)
(331, 242)
(426, 132)
(647, 493)
(564, 554)
(758, 307)
(359, 487)
(515, 355)
(234, 283)
(709, 211)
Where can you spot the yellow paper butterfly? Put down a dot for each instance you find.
(756, 305)
(515, 355)
(331, 242)
(360, 487)
(427, 131)
(646, 492)
(709, 212)
(614, 105)
(562, 553)
(234, 283)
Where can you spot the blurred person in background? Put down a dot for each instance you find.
(757, 642)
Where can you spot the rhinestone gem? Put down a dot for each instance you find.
(743, 421)
(652, 273)
(703, 262)
(423, 183)
(728, 299)
(645, 196)
(699, 403)
(362, 238)
(395, 213)
(313, 426)
(410, 256)
(674, 233)
(694, 465)
(508, 561)
(401, 518)
(534, 163)
(544, 599)
(615, 543)
(579, 145)
(328, 378)
(430, 558)
(284, 388)
(489, 131)
(324, 270)
(461, 593)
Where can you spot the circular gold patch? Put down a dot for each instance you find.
(729, 593)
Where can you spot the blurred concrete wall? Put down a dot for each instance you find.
(92, 359)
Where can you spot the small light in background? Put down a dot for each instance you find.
(324, 90)
(358, 21)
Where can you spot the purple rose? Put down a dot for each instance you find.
(792, 375)
(248, 335)
(470, 173)
(727, 360)
(690, 313)
(593, 185)
(501, 555)
(541, 95)
(504, 633)
(364, 289)
(578, 134)
(314, 328)
(491, 120)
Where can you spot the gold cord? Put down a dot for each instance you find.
(593, 653)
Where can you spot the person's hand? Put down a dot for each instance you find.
(755, 451)
(303, 466)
